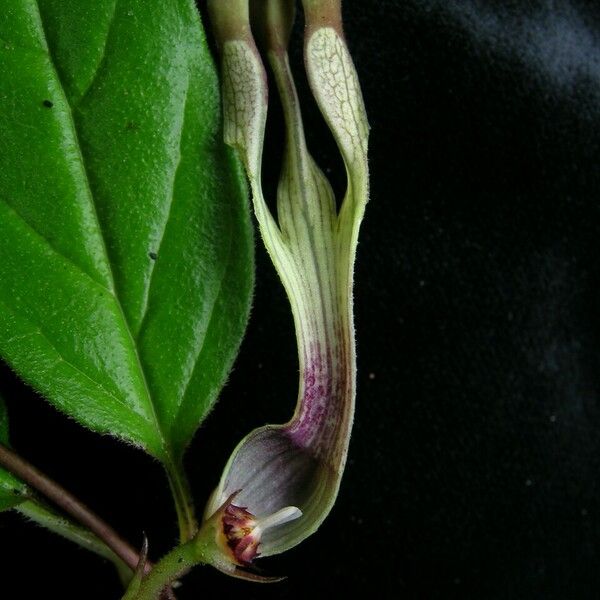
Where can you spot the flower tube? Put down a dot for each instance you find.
(288, 476)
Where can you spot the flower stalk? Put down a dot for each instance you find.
(182, 497)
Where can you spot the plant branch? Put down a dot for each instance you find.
(70, 505)
(57, 523)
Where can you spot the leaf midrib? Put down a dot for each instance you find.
(167, 457)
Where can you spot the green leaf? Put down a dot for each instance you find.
(126, 245)
(12, 491)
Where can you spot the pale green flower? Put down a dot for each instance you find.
(285, 478)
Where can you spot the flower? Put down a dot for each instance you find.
(285, 478)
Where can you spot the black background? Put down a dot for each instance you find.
(473, 470)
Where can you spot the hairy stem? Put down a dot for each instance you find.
(70, 505)
(51, 520)
(175, 564)
(184, 503)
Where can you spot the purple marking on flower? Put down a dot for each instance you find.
(322, 409)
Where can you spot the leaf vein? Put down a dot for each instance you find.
(212, 316)
(148, 289)
(94, 80)
(37, 330)
(53, 248)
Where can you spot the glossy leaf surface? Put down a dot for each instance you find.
(125, 240)
(12, 491)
